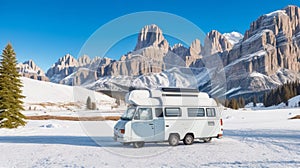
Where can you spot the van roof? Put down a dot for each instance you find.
(169, 97)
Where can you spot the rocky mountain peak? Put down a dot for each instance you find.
(151, 35)
(31, 70)
(282, 22)
(216, 42)
(65, 66)
(67, 61)
(84, 60)
(195, 47)
(267, 56)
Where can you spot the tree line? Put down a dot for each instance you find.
(272, 97)
(281, 94)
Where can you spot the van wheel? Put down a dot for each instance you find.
(188, 139)
(174, 140)
(138, 144)
(207, 140)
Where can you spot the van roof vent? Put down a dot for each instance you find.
(179, 90)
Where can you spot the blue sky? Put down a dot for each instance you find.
(46, 30)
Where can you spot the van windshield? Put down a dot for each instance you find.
(128, 115)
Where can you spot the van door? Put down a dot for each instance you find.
(159, 125)
(211, 125)
(142, 125)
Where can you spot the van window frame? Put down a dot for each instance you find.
(165, 111)
(214, 112)
(204, 111)
(137, 113)
(162, 112)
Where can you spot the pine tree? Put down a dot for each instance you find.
(233, 103)
(94, 106)
(286, 94)
(89, 103)
(226, 103)
(265, 101)
(241, 102)
(254, 101)
(10, 91)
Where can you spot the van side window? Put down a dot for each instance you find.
(210, 112)
(173, 112)
(159, 112)
(196, 112)
(143, 114)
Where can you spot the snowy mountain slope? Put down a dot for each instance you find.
(263, 138)
(39, 92)
(233, 37)
(173, 77)
(294, 102)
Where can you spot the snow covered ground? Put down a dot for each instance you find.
(264, 138)
(47, 96)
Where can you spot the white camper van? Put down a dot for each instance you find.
(168, 114)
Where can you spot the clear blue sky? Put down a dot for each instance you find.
(44, 30)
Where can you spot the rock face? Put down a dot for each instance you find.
(216, 42)
(84, 60)
(30, 70)
(70, 71)
(269, 48)
(151, 35)
(266, 56)
(64, 67)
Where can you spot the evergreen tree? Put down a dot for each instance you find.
(10, 91)
(254, 101)
(89, 103)
(241, 102)
(286, 94)
(94, 106)
(265, 101)
(278, 100)
(233, 103)
(226, 103)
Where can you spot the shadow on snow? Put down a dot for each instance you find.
(264, 133)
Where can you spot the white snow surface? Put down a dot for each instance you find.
(42, 95)
(233, 37)
(275, 13)
(263, 138)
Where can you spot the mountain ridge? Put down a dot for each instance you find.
(264, 57)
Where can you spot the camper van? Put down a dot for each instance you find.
(168, 115)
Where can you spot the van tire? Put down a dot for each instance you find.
(188, 139)
(207, 140)
(173, 139)
(138, 144)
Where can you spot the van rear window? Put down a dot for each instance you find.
(196, 112)
(172, 112)
(210, 112)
